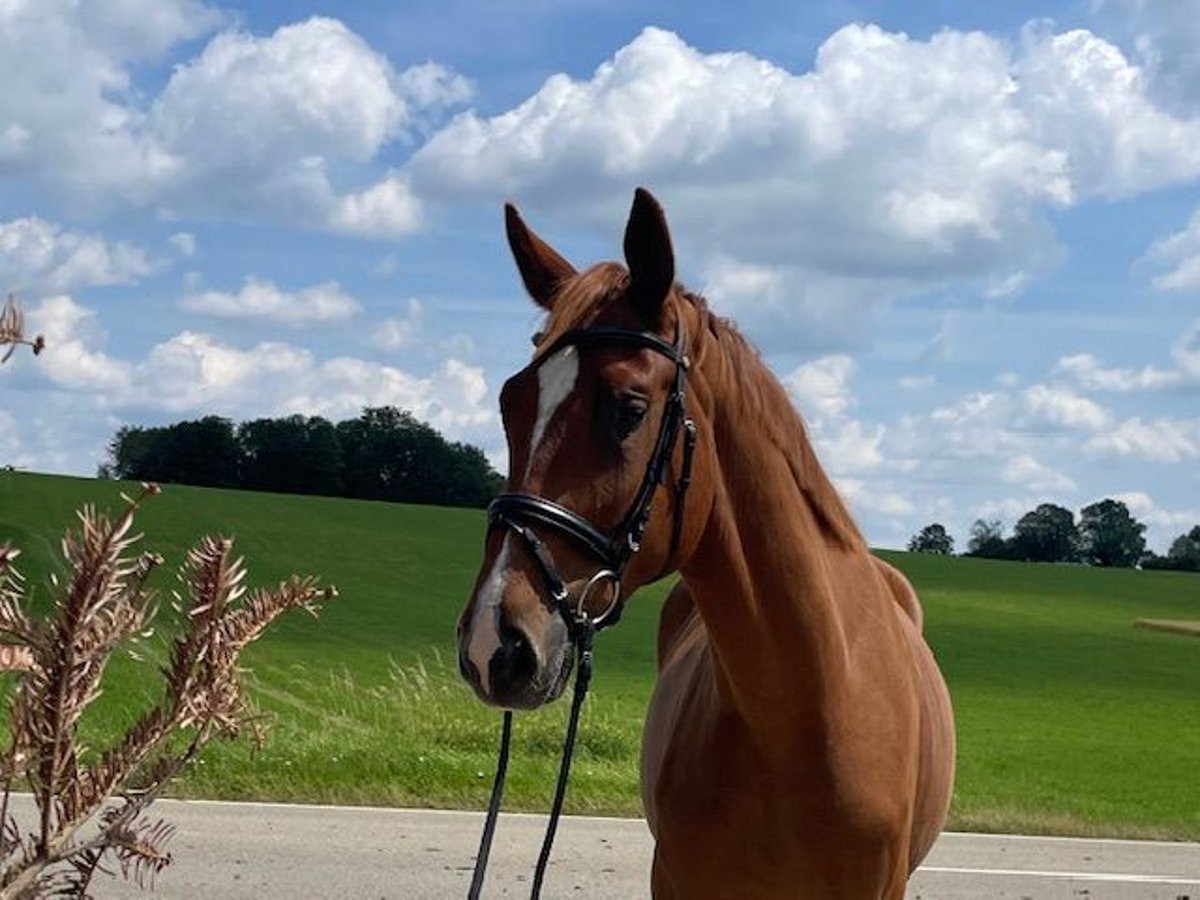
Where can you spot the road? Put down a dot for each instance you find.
(227, 851)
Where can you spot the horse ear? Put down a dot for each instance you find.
(542, 269)
(649, 256)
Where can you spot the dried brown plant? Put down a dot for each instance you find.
(12, 330)
(90, 805)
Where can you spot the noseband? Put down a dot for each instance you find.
(520, 513)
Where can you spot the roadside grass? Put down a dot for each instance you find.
(1070, 720)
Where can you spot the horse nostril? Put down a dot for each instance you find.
(469, 670)
(514, 664)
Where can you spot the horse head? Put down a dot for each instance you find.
(593, 425)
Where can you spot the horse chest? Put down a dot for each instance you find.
(734, 821)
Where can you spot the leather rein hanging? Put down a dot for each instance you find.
(524, 513)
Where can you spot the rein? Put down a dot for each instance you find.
(521, 512)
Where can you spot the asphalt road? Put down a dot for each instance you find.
(227, 851)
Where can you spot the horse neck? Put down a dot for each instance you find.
(777, 551)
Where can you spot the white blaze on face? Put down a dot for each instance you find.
(485, 623)
(556, 380)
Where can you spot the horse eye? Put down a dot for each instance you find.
(630, 413)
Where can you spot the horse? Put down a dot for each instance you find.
(800, 738)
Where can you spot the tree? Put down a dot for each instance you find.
(391, 455)
(987, 540)
(1047, 534)
(384, 454)
(203, 452)
(1184, 555)
(932, 539)
(1185, 551)
(294, 455)
(1110, 536)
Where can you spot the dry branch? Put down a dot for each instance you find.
(12, 330)
(90, 813)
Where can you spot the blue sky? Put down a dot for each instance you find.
(965, 236)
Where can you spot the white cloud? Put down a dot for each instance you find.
(893, 157)
(1062, 406)
(864, 497)
(1088, 372)
(36, 255)
(387, 208)
(262, 299)
(285, 127)
(1085, 98)
(1180, 253)
(892, 166)
(451, 399)
(71, 362)
(850, 447)
(1143, 508)
(193, 373)
(1160, 440)
(1026, 471)
(66, 77)
(821, 387)
(400, 332)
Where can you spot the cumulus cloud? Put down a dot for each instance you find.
(1143, 508)
(36, 255)
(1061, 406)
(286, 126)
(931, 166)
(1086, 98)
(1160, 440)
(893, 165)
(262, 299)
(195, 373)
(77, 361)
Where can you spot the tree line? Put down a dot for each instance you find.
(384, 454)
(1106, 534)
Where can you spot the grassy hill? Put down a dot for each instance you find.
(1070, 719)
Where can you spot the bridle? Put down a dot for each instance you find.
(522, 514)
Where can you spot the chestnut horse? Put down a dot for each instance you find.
(800, 740)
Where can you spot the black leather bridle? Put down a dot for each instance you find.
(524, 513)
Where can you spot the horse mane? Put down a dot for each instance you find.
(761, 399)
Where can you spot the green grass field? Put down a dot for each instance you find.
(1070, 719)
